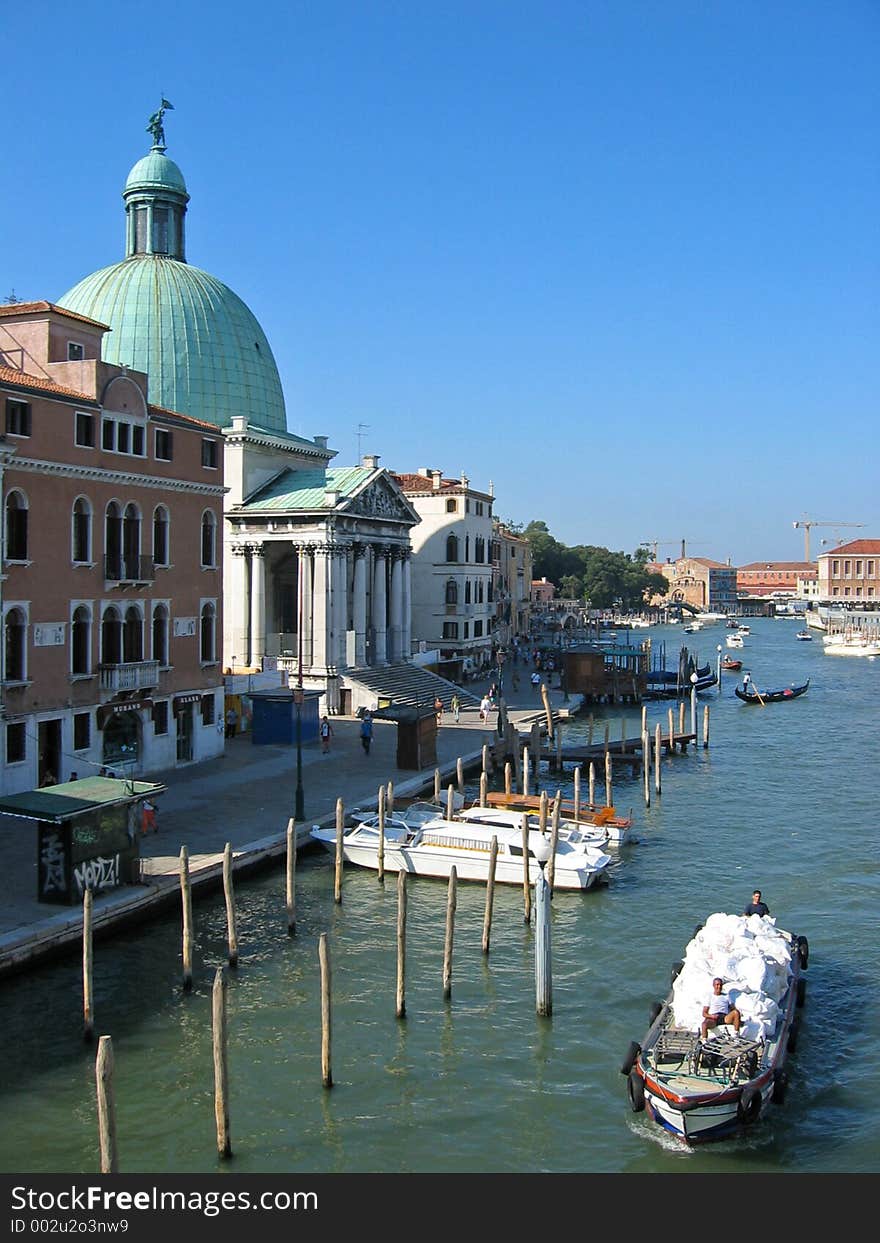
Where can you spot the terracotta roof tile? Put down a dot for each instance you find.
(854, 546)
(9, 375)
(11, 310)
(424, 483)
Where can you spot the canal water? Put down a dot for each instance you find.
(784, 799)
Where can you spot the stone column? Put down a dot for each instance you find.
(321, 584)
(258, 604)
(337, 606)
(359, 605)
(380, 613)
(406, 636)
(396, 619)
(304, 604)
(236, 613)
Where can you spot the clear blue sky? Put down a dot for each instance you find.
(618, 256)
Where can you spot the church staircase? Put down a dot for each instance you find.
(409, 685)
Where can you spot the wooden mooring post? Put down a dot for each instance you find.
(380, 870)
(547, 710)
(401, 944)
(591, 788)
(554, 839)
(508, 778)
(527, 889)
(221, 1064)
(484, 789)
(324, 963)
(608, 799)
(577, 791)
(88, 989)
(681, 716)
(450, 801)
(526, 770)
(694, 712)
(186, 904)
(389, 799)
(485, 768)
(229, 897)
(646, 766)
(671, 730)
(459, 774)
(490, 893)
(340, 830)
(543, 969)
(437, 785)
(106, 1107)
(657, 749)
(451, 901)
(705, 726)
(290, 877)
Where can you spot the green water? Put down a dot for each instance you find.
(785, 799)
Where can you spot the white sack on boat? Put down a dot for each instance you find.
(752, 958)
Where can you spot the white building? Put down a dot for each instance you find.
(452, 582)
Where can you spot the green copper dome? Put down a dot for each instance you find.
(203, 351)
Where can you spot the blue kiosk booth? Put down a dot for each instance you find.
(275, 713)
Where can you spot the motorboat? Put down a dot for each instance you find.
(711, 1087)
(804, 636)
(741, 629)
(728, 662)
(855, 644)
(416, 813)
(434, 847)
(734, 640)
(589, 815)
(599, 825)
(748, 694)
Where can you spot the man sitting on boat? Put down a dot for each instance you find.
(718, 1011)
(756, 906)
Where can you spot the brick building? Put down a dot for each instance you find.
(850, 573)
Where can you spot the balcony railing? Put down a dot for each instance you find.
(119, 569)
(134, 675)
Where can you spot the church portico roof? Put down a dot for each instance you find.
(357, 491)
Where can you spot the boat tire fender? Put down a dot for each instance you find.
(803, 947)
(698, 929)
(749, 1104)
(801, 991)
(780, 1086)
(655, 1010)
(791, 1043)
(631, 1054)
(635, 1088)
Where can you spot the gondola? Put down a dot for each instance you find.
(750, 696)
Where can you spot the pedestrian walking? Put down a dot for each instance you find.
(485, 708)
(438, 708)
(231, 722)
(366, 732)
(455, 705)
(326, 734)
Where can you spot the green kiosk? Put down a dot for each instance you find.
(88, 834)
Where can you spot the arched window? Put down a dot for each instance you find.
(160, 536)
(479, 549)
(452, 548)
(451, 591)
(82, 531)
(111, 637)
(206, 637)
(209, 539)
(160, 634)
(131, 541)
(479, 591)
(15, 645)
(467, 591)
(113, 542)
(133, 635)
(16, 527)
(467, 548)
(81, 641)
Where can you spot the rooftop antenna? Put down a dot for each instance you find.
(362, 429)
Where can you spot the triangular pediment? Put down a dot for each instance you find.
(382, 499)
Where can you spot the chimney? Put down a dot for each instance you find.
(370, 461)
(331, 498)
(321, 441)
(423, 471)
(683, 553)
(436, 479)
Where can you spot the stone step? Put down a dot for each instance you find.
(409, 685)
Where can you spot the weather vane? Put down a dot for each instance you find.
(156, 128)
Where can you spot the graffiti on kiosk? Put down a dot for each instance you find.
(52, 864)
(96, 874)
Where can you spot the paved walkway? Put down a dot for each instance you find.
(244, 797)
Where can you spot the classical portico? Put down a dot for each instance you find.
(318, 561)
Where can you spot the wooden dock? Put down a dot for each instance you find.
(626, 751)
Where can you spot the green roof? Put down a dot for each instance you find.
(203, 351)
(75, 798)
(305, 489)
(155, 172)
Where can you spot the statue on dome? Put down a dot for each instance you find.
(156, 128)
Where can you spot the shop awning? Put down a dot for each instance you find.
(76, 798)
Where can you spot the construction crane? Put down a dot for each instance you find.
(808, 523)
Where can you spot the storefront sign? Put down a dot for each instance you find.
(106, 711)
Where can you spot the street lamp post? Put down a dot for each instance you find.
(299, 812)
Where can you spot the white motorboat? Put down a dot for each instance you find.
(588, 817)
(741, 629)
(854, 644)
(434, 847)
(804, 636)
(734, 640)
(709, 1088)
(595, 835)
